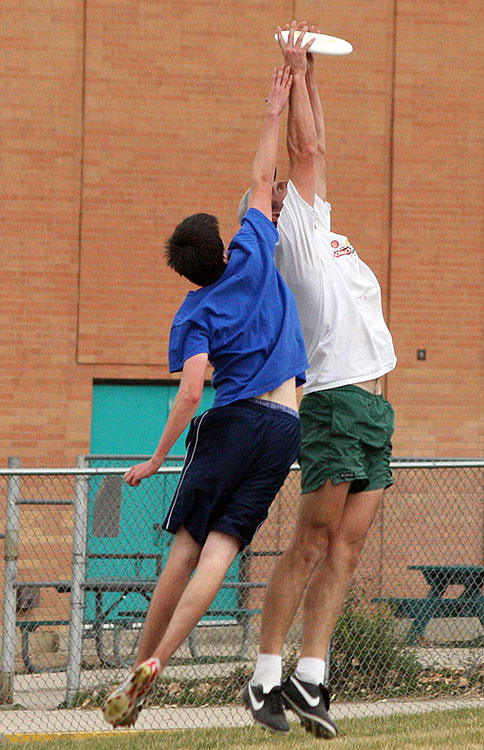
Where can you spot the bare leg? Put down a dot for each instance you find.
(181, 563)
(177, 605)
(218, 553)
(319, 515)
(329, 583)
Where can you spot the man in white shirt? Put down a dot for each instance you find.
(346, 423)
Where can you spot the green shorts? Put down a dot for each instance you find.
(346, 437)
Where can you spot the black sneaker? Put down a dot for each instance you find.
(311, 703)
(266, 708)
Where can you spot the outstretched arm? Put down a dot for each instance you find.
(301, 131)
(265, 158)
(317, 109)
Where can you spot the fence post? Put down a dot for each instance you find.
(74, 656)
(10, 590)
(327, 668)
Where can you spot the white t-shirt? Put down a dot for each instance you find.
(338, 298)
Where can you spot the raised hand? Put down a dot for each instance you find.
(309, 54)
(280, 88)
(295, 52)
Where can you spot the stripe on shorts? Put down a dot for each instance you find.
(186, 466)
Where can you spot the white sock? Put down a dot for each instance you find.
(310, 669)
(268, 671)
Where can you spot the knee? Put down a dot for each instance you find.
(310, 545)
(188, 557)
(346, 549)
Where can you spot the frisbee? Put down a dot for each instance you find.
(323, 44)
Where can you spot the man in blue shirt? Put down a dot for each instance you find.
(243, 319)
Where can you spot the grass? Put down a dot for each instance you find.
(437, 730)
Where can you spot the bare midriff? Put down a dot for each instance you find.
(285, 394)
(372, 386)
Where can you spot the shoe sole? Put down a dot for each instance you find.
(260, 723)
(313, 724)
(120, 707)
(131, 719)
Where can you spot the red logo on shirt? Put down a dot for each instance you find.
(344, 251)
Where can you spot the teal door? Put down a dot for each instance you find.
(125, 540)
(129, 418)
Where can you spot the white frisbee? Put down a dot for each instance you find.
(323, 44)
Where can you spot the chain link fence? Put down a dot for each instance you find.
(83, 551)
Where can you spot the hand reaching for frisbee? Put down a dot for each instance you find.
(295, 52)
(318, 43)
(309, 54)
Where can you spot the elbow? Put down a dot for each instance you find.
(309, 149)
(263, 181)
(192, 396)
(303, 152)
(302, 159)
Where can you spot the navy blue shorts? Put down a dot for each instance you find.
(238, 457)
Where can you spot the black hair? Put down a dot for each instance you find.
(195, 249)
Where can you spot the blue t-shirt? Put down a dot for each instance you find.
(247, 321)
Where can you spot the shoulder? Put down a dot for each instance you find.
(259, 222)
(256, 231)
(185, 308)
(191, 320)
(323, 211)
(191, 311)
(297, 217)
(295, 208)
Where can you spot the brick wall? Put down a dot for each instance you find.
(436, 250)
(117, 121)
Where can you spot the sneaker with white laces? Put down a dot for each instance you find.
(311, 704)
(122, 707)
(266, 708)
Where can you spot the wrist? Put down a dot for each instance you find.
(272, 112)
(156, 461)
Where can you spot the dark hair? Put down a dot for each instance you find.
(195, 249)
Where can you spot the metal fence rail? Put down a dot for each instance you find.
(82, 553)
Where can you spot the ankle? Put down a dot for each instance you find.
(268, 671)
(310, 669)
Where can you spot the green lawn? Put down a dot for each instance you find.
(437, 730)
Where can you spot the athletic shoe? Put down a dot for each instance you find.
(133, 717)
(311, 703)
(130, 720)
(122, 707)
(266, 708)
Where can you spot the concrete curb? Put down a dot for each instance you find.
(48, 724)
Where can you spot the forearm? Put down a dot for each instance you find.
(318, 116)
(264, 162)
(301, 132)
(317, 110)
